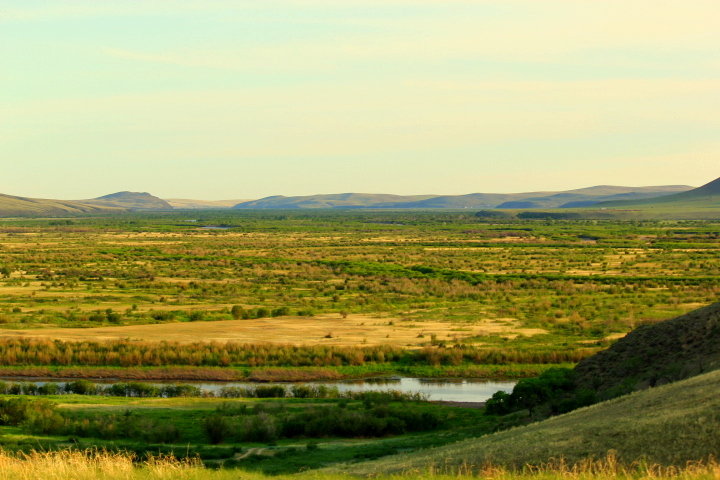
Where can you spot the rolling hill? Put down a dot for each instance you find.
(143, 201)
(669, 425)
(130, 201)
(707, 195)
(567, 199)
(12, 206)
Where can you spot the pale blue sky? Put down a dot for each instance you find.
(243, 99)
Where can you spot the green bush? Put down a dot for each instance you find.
(217, 428)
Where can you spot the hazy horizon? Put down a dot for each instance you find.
(221, 99)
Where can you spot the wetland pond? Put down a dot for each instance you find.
(447, 390)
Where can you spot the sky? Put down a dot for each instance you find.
(218, 99)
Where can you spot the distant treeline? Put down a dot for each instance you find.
(24, 352)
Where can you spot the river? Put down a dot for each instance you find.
(449, 390)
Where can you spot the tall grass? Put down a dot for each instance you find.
(102, 465)
(95, 465)
(123, 353)
(588, 469)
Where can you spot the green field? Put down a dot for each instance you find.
(675, 424)
(279, 435)
(668, 425)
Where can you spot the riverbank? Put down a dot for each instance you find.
(276, 374)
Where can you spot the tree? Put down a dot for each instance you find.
(237, 312)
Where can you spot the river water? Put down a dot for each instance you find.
(451, 390)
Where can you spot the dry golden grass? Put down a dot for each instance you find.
(92, 465)
(329, 329)
(101, 465)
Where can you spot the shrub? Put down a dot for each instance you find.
(217, 428)
(81, 387)
(38, 416)
(554, 390)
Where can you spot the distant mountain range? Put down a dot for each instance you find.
(582, 197)
(601, 196)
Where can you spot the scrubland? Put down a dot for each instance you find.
(407, 279)
(299, 296)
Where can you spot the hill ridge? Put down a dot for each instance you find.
(704, 195)
(16, 206)
(131, 201)
(539, 199)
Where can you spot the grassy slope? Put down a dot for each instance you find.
(671, 424)
(11, 206)
(705, 196)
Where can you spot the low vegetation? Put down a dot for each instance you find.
(406, 279)
(298, 296)
(273, 435)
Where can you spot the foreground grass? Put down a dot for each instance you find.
(92, 465)
(669, 425)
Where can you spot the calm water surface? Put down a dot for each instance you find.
(452, 390)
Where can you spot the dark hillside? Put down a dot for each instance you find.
(655, 354)
(649, 356)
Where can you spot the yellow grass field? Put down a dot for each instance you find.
(328, 329)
